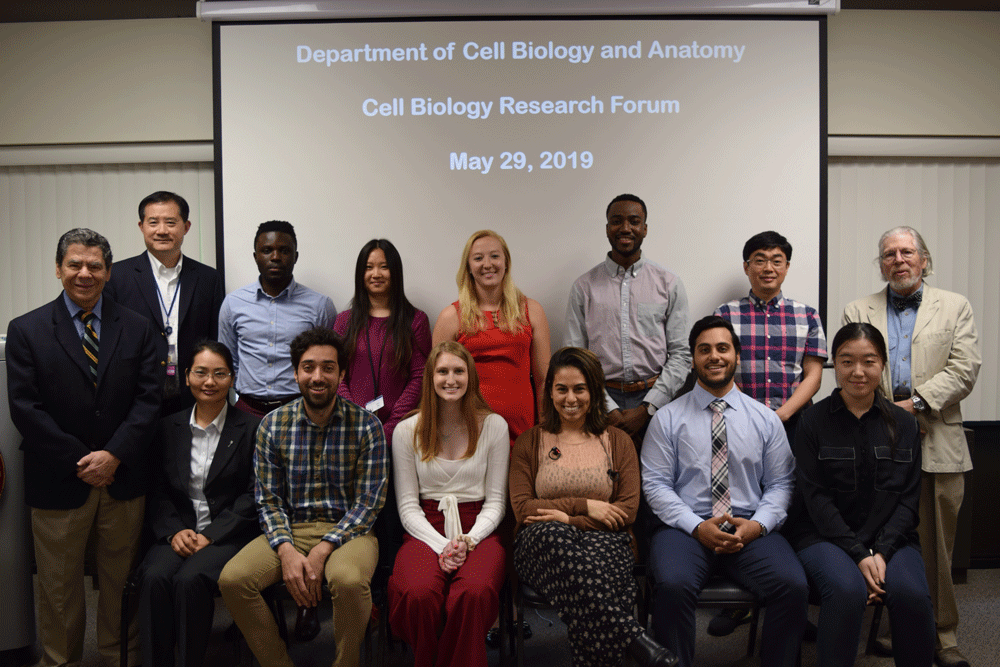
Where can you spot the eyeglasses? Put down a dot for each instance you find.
(202, 374)
(760, 262)
(906, 253)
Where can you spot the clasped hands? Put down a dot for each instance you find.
(709, 534)
(187, 542)
(303, 574)
(97, 468)
(873, 570)
(453, 556)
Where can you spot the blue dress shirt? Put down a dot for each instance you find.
(74, 313)
(900, 325)
(258, 329)
(677, 461)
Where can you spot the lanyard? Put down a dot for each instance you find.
(371, 361)
(173, 300)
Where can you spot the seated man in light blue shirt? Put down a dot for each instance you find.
(718, 473)
(258, 322)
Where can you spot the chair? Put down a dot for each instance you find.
(722, 593)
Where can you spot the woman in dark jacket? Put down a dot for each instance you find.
(201, 512)
(853, 521)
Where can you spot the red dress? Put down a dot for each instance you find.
(503, 361)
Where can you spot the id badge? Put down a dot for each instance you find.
(171, 370)
(375, 404)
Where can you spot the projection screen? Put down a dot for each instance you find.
(424, 131)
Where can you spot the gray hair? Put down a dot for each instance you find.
(85, 237)
(917, 239)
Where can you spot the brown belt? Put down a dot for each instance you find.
(630, 387)
(266, 405)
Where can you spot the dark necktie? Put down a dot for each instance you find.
(904, 302)
(720, 460)
(90, 342)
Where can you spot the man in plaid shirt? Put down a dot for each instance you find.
(321, 480)
(783, 349)
(783, 343)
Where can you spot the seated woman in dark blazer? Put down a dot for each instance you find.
(853, 520)
(201, 511)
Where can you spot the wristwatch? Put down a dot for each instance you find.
(919, 404)
(650, 408)
(763, 528)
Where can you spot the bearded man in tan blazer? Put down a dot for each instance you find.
(934, 360)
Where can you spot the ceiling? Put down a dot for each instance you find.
(84, 10)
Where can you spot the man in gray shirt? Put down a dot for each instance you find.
(631, 313)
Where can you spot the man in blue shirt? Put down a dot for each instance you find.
(718, 473)
(258, 322)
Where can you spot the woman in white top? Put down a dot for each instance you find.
(450, 466)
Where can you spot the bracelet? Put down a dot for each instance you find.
(469, 542)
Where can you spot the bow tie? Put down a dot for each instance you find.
(904, 302)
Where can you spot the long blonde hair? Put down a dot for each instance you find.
(473, 407)
(513, 304)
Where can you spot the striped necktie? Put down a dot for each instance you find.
(720, 460)
(90, 342)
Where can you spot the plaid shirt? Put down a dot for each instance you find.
(334, 473)
(775, 337)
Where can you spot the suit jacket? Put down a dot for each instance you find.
(63, 417)
(133, 284)
(944, 365)
(228, 486)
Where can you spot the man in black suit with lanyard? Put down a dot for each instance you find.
(179, 295)
(83, 391)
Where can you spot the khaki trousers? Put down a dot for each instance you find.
(940, 499)
(60, 538)
(348, 573)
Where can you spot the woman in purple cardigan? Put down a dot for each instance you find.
(387, 342)
(387, 339)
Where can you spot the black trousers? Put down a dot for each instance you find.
(177, 602)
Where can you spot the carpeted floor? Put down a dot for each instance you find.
(978, 599)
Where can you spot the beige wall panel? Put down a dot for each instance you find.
(105, 82)
(914, 73)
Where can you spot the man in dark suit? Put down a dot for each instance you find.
(84, 395)
(178, 294)
(201, 512)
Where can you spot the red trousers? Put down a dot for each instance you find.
(444, 617)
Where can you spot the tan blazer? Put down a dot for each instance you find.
(944, 366)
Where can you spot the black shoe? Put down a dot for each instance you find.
(306, 624)
(727, 620)
(810, 632)
(493, 636)
(647, 653)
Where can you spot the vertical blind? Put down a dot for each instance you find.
(39, 203)
(955, 205)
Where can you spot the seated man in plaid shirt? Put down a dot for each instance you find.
(321, 480)
(783, 349)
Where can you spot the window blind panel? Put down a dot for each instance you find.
(955, 205)
(39, 203)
